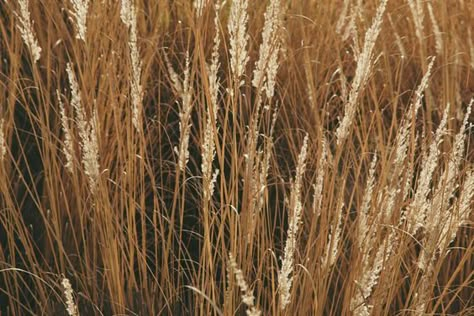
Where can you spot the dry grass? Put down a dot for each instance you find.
(204, 158)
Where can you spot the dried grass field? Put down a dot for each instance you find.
(209, 157)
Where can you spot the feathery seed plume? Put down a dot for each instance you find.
(87, 133)
(452, 220)
(69, 294)
(239, 38)
(402, 136)
(247, 295)
(68, 147)
(363, 227)
(199, 5)
(265, 164)
(439, 213)
(285, 279)
(128, 14)
(79, 13)
(402, 142)
(318, 186)
(363, 68)
(3, 148)
(330, 254)
(418, 207)
(465, 209)
(266, 66)
(258, 179)
(214, 68)
(184, 90)
(184, 118)
(370, 276)
(208, 148)
(25, 26)
(423, 291)
(416, 9)
(175, 81)
(398, 39)
(437, 33)
(342, 17)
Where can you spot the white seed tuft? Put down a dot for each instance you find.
(79, 13)
(69, 294)
(199, 6)
(25, 26)
(266, 66)
(184, 118)
(208, 148)
(128, 14)
(239, 38)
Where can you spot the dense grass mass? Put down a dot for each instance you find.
(236, 158)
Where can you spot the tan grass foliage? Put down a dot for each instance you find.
(236, 157)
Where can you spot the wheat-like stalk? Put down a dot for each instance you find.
(417, 12)
(351, 31)
(363, 214)
(69, 294)
(342, 16)
(3, 147)
(247, 295)
(416, 215)
(440, 239)
(79, 13)
(25, 26)
(285, 278)
(442, 220)
(318, 185)
(184, 117)
(184, 133)
(208, 147)
(68, 147)
(239, 38)
(199, 6)
(398, 39)
(258, 179)
(471, 45)
(87, 133)
(334, 237)
(128, 14)
(438, 214)
(437, 33)
(267, 64)
(369, 276)
(184, 90)
(363, 68)
(401, 149)
(460, 217)
(174, 77)
(402, 136)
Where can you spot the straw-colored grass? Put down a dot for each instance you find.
(236, 157)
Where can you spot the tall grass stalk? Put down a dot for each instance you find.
(236, 157)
